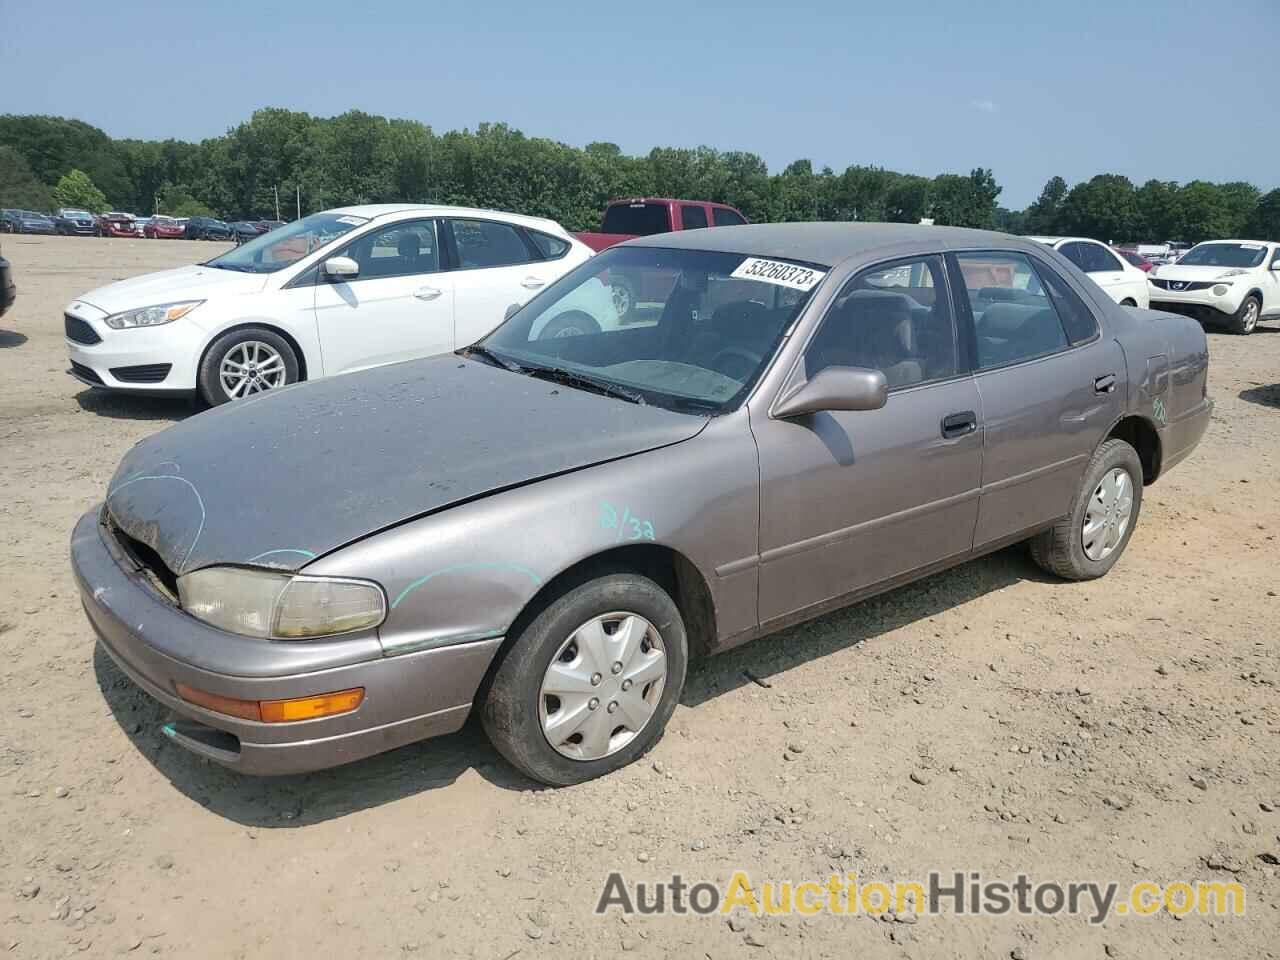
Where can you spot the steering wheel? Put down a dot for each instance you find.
(723, 362)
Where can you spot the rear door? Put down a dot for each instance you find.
(398, 307)
(1051, 387)
(495, 265)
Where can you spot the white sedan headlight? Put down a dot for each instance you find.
(280, 606)
(151, 316)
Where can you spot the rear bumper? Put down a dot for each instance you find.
(8, 290)
(1182, 434)
(407, 698)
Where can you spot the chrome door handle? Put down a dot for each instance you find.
(532, 283)
(427, 293)
(1105, 384)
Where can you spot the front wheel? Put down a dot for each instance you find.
(1246, 318)
(246, 362)
(589, 684)
(1087, 543)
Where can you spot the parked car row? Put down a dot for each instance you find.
(544, 521)
(71, 222)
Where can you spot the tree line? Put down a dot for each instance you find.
(361, 158)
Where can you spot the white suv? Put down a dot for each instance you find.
(330, 293)
(1234, 283)
(1120, 280)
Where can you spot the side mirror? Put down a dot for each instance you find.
(511, 311)
(341, 268)
(1275, 265)
(835, 388)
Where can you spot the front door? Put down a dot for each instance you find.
(851, 500)
(495, 266)
(399, 306)
(1051, 387)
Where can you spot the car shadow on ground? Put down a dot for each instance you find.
(763, 661)
(123, 406)
(300, 800)
(12, 338)
(1267, 395)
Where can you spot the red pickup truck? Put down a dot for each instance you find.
(624, 219)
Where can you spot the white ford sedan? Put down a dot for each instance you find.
(1122, 281)
(333, 292)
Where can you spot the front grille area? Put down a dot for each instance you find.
(144, 373)
(85, 373)
(1185, 286)
(147, 560)
(79, 331)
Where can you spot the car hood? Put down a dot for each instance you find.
(194, 282)
(287, 477)
(1175, 271)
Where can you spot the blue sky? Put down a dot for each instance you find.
(1167, 88)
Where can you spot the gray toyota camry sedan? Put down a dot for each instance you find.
(546, 526)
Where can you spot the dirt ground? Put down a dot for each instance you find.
(987, 719)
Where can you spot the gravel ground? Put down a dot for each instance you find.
(989, 719)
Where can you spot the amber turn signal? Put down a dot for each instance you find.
(308, 708)
(275, 711)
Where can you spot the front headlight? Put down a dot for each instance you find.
(151, 316)
(280, 606)
(1232, 273)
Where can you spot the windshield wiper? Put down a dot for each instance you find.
(571, 378)
(484, 353)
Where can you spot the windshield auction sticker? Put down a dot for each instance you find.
(778, 272)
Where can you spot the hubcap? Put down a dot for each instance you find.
(617, 661)
(1108, 514)
(251, 367)
(621, 299)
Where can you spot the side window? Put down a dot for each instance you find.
(400, 250)
(1075, 252)
(551, 248)
(693, 217)
(488, 243)
(895, 318)
(722, 217)
(1275, 257)
(1078, 319)
(1013, 317)
(1099, 258)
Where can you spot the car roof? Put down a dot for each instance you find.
(622, 200)
(1260, 243)
(827, 242)
(1052, 241)
(374, 210)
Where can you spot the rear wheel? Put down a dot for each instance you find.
(1087, 543)
(589, 684)
(245, 362)
(1246, 318)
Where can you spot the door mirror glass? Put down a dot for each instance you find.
(1276, 265)
(341, 268)
(836, 388)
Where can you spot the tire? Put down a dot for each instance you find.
(571, 323)
(512, 709)
(1061, 549)
(210, 383)
(1245, 320)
